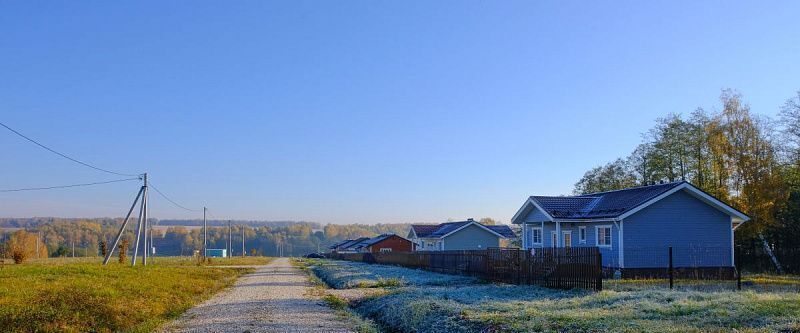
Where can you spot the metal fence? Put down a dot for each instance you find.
(563, 268)
(682, 262)
(755, 259)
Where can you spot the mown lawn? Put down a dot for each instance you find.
(476, 307)
(81, 295)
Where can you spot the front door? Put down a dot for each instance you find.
(567, 236)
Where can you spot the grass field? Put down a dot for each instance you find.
(81, 295)
(482, 307)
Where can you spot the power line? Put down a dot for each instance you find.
(67, 186)
(62, 155)
(171, 201)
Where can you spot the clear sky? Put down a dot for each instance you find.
(361, 111)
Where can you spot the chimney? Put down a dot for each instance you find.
(471, 220)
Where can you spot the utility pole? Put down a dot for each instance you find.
(146, 223)
(73, 249)
(243, 253)
(38, 235)
(230, 239)
(205, 232)
(122, 228)
(141, 226)
(152, 248)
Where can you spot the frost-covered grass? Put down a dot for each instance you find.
(471, 306)
(347, 274)
(506, 308)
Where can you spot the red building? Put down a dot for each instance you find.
(387, 243)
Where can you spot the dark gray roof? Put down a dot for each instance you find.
(503, 230)
(337, 244)
(439, 230)
(352, 243)
(423, 230)
(609, 204)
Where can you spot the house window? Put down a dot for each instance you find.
(386, 249)
(582, 235)
(567, 235)
(554, 238)
(536, 236)
(604, 235)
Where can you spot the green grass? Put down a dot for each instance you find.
(81, 295)
(231, 261)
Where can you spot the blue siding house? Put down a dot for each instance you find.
(635, 227)
(463, 235)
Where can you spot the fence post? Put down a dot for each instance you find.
(558, 266)
(670, 267)
(599, 271)
(738, 263)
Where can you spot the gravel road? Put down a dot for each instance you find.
(275, 298)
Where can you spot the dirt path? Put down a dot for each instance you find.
(273, 299)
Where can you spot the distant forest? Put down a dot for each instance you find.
(173, 237)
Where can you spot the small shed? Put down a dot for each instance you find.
(217, 253)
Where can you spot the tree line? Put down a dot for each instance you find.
(751, 162)
(66, 237)
(56, 237)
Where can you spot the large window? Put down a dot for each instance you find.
(386, 249)
(604, 235)
(536, 236)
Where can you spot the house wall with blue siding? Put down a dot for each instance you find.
(699, 234)
(471, 237)
(610, 254)
(535, 215)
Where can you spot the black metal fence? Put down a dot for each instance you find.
(563, 268)
(683, 262)
(755, 259)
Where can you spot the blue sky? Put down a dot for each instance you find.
(361, 111)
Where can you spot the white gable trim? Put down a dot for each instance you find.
(694, 192)
(469, 224)
(414, 232)
(525, 205)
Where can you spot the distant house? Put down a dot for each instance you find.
(463, 235)
(347, 245)
(385, 243)
(635, 227)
